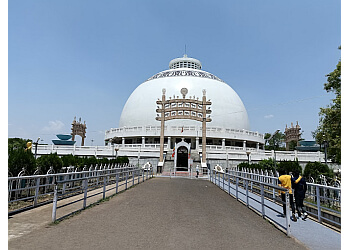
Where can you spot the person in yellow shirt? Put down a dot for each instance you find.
(286, 181)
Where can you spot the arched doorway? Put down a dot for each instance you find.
(182, 159)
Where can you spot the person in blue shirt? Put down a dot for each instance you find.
(300, 188)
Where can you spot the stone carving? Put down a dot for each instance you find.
(184, 73)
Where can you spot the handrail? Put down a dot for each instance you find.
(85, 188)
(227, 186)
(317, 196)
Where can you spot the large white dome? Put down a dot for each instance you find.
(227, 108)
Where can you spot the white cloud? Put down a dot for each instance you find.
(54, 126)
(268, 116)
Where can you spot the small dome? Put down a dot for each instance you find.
(185, 62)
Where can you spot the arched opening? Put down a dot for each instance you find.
(182, 159)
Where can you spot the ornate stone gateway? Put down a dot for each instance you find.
(292, 134)
(183, 108)
(78, 129)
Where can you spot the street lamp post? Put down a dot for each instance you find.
(116, 152)
(325, 143)
(274, 147)
(248, 153)
(36, 146)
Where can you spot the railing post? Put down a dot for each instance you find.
(229, 183)
(318, 203)
(104, 187)
(247, 191)
(54, 204)
(116, 181)
(126, 180)
(237, 181)
(262, 194)
(36, 191)
(138, 176)
(287, 213)
(147, 175)
(64, 184)
(143, 175)
(223, 181)
(133, 175)
(85, 192)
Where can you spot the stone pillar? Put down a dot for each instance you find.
(197, 143)
(169, 142)
(244, 145)
(162, 121)
(143, 141)
(223, 143)
(123, 142)
(204, 129)
(257, 145)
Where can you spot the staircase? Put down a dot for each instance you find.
(168, 167)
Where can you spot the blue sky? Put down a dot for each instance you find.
(84, 58)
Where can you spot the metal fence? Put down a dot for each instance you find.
(122, 178)
(322, 202)
(249, 191)
(25, 192)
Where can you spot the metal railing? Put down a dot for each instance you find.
(26, 192)
(322, 202)
(121, 177)
(238, 186)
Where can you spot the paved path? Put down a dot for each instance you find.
(161, 213)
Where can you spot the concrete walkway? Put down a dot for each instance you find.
(161, 213)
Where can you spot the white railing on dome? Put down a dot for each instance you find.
(155, 146)
(184, 128)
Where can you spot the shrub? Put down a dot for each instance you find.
(315, 169)
(289, 166)
(267, 164)
(46, 161)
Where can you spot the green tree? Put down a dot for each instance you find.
(68, 160)
(266, 164)
(293, 145)
(19, 157)
(122, 159)
(315, 169)
(289, 166)
(275, 142)
(329, 128)
(46, 161)
(90, 161)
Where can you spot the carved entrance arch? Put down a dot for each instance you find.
(182, 160)
(78, 129)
